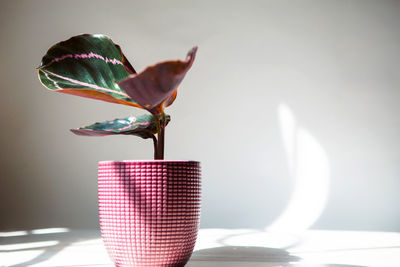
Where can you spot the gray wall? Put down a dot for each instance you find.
(291, 106)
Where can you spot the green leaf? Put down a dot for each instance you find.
(144, 126)
(89, 66)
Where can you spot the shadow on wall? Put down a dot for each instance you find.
(309, 168)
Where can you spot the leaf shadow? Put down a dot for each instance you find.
(64, 240)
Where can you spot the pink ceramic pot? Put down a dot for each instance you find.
(149, 211)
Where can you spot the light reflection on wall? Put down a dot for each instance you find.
(309, 168)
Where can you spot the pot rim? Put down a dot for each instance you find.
(146, 161)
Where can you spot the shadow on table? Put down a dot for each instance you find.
(235, 256)
(50, 243)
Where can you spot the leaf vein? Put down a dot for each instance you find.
(93, 86)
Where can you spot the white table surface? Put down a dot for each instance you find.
(214, 247)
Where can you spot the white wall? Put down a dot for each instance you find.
(278, 88)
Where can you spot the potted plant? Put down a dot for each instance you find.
(149, 210)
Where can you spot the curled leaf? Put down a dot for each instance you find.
(144, 126)
(88, 65)
(156, 87)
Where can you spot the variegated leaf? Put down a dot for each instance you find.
(144, 126)
(156, 87)
(89, 66)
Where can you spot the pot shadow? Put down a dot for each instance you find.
(237, 255)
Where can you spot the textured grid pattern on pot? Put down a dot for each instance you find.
(149, 211)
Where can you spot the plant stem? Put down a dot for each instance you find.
(161, 137)
(158, 128)
(155, 146)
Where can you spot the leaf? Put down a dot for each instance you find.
(143, 126)
(156, 87)
(89, 66)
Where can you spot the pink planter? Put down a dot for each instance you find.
(149, 211)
